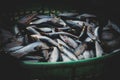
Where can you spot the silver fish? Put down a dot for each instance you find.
(67, 14)
(25, 50)
(32, 30)
(71, 42)
(16, 30)
(45, 39)
(41, 21)
(87, 54)
(67, 53)
(14, 48)
(80, 57)
(62, 33)
(80, 49)
(88, 39)
(54, 55)
(86, 15)
(90, 33)
(82, 32)
(65, 58)
(43, 16)
(62, 43)
(46, 30)
(98, 49)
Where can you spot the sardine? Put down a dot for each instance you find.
(62, 43)
(32, 30)
(65, 58)
(61, 33)
(16, 30)
(80, 57)
(43, 16)
(99, 50)
(67, 14)
(43, 20)
(27, 19)
(71, 42)
(90, 33)
(87, 54)
(14, 48)
(25, 50)
(86, 15)
(46, 30)
(67, 53)
(54, 55)
(45, 39)
(80, 49)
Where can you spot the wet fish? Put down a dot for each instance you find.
(32, 30)
(67, 53)
(98, 49)
(61, 33)
(25, 50)
(46, 30)
(43, 20)
(71, 42)
(87, 54)
(80, 57)
(80, 49)
(86, 16)
(67, 14)
(27, 19)
(54, 55)
(45, 39)
(43, 16)
(90, 33)
(14, 48)
(65, 58)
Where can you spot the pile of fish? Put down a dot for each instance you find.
(63, 37)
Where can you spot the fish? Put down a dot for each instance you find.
(67, 14)
(90, 33)
(80, 49)
(43, 16)
(86, 16)
(73, 24)
(39, 21)
(62, 43)
(80, 57)
(46, 30)
(16, 30)
(14, 48)
(32, 30)
(27, 19)
(26, 50)
(65, 58)
(54, 56)
(71, 42)
(61, 33)
(45, 39)
(87, 54)
(68, 53)
(98, 49)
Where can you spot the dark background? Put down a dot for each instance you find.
(10, 68)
